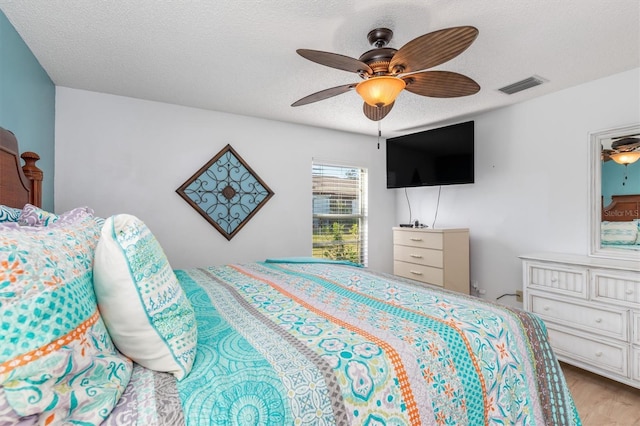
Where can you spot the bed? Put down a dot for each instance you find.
(98, 329)
(620, 226)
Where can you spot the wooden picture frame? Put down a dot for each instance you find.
(226, 192)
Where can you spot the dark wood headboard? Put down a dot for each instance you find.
(622, 208)
(18, 185)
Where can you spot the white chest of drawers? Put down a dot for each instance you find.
(438, 257)
(591, 307)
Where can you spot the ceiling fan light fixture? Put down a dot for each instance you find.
(380, 91)
(625, 158)
(386, 69)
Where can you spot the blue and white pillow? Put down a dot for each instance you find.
(140, 298)
(9, 214)
(624, 233)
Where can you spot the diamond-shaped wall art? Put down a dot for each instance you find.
(226, 192)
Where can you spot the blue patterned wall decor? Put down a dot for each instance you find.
(226, 192)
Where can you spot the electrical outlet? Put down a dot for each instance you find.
(518, 295)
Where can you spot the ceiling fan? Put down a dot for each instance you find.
(625, 150)
(387, 71)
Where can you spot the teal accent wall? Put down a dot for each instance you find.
(27, 103)
(619, 180)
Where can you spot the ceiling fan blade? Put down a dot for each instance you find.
(335, 60)
(376, 113)
(432, 49)
(626, 144)
(440, 84)
(324, 94)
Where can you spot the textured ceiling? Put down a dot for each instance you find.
(240, 56)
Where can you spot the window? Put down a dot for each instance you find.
(340, 212)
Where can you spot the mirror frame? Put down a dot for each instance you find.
(595, 198)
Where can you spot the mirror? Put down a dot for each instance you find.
(614, 195)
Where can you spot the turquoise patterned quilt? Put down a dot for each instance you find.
(330, 344)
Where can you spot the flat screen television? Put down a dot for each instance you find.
(442, 156)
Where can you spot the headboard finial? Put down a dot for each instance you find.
(34, 174)
(30, 169)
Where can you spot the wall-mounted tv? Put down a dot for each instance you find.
(442, 156)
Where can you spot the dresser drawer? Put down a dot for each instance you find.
(432, 240)
(426, 274)
(597, 319)
(604, 355)
(558, 278)
(422, 256)
(616, 287)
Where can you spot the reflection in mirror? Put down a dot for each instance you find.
(615, 192)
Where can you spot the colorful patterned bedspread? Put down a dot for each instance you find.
(314, 343)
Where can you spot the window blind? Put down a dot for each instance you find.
(340, 212)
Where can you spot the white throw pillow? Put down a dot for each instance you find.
(146, 311)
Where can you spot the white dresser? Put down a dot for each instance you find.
(591, 307)
(438, 257)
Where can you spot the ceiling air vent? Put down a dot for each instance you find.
(521, 85)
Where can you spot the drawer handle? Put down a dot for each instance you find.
(415, 239)
(416, 272)
(546, 308)
(417, 256)
(629, 291)
(598, 320)
(554, 279)
(598, 354)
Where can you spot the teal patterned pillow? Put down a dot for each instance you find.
(624, 233)
(9, 214)
(143, 305)
(57, 362)
(35, 216)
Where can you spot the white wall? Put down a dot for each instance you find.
(531, 189)
(531, 193)
(124, 155)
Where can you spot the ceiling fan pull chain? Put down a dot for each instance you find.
(379, 134)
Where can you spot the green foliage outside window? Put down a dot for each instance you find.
(334, 242)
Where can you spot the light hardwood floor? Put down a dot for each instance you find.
(600, 401)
